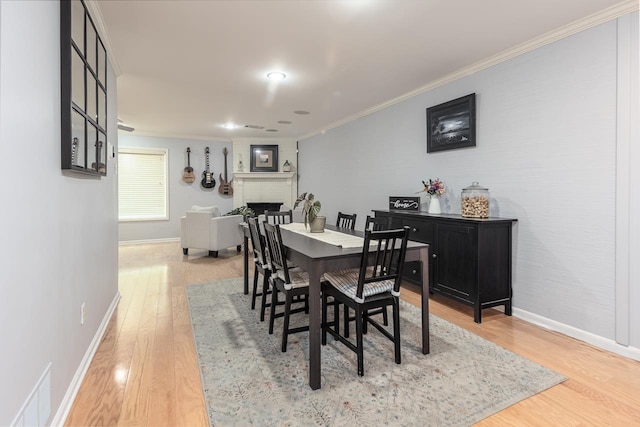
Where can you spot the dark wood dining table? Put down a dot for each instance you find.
(318, 257)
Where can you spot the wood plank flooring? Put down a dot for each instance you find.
(145, 371)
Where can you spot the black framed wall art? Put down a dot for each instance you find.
(264, 158)
(452, 124)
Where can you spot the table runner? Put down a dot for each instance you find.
(329, 236)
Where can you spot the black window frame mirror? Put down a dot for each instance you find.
(84, 97)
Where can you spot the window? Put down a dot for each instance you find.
(142, 184)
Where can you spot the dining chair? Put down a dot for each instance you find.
(377, 223)
(261, 266)
(346, 221)
(292, 282)
(376, 284)
(371, 224)
(278, 217)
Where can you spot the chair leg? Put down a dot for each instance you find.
(213, 253)
(274, 304)
(185, 251)
(365, 322)
(285, 327)
(359, 351)
(396, 329)
(238, 248)
(346, 320)
(324, 318)
(385, 317)
(265, 291)
(336, 317)
(255, 288)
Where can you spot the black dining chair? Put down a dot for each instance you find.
(346, 221)
(371, 224)
(376, 284)
(377, 223)
(292, 282)
(278, 217)
(261, 266)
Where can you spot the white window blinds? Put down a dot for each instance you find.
(142, 184)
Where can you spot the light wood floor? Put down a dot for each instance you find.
(145, 371)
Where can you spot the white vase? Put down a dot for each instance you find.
(434, 204)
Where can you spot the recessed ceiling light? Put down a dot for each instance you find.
(272, 130)
(301, 112)
(284, 122)
(230, 126)
(276, 75)
(254, 126)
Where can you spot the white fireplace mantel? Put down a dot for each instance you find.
(264, 187)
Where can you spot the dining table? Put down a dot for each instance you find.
(315, 255)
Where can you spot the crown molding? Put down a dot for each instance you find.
(605, 15)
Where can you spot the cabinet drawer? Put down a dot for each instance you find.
(412, 271)
(419, 231)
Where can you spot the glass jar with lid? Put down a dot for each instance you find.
(475, 201)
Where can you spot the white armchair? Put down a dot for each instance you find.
(204, 228)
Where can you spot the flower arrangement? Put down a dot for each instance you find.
(434, 187)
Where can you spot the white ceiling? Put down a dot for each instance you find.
(187, 67)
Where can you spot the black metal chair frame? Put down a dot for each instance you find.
(346, 221)
(295, 295)
(387, 264)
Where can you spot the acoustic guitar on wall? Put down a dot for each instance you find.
(225, 186)
(187, 175)
(207, 177)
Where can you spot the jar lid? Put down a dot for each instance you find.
(475, 186)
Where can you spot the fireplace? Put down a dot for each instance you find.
(260, 207)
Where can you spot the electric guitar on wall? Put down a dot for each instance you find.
(187, 175)
(225, 186)
(207, 177)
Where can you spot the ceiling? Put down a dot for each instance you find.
(185, 68)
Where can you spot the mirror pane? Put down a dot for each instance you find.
(102, 64)
(92, 102)
(102, 108)
(92, 142)
(77, 79)
(102, 153)
(77, 24)
(91, 46)
(78, 142)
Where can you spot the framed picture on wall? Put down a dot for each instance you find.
(264, 158)
(452, 124)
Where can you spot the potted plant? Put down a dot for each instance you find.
(310, 210)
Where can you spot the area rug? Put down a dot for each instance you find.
(247, 380)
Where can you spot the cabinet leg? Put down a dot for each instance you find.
(477, 313)
(507, 308)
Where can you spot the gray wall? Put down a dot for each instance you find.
(181, 195)
(59, 232)
(546, 148)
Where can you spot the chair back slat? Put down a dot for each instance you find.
(257, 241)
(278, 217)
(346, 221)
(377, 223)
(276, 250)
(387, 260)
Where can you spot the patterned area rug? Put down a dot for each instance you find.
(247, 380)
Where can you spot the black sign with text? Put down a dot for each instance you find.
(404, 203)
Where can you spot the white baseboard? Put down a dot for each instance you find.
(65, 406)
(579, 334)
(146, 241)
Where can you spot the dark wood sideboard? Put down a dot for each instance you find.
(470, 257)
